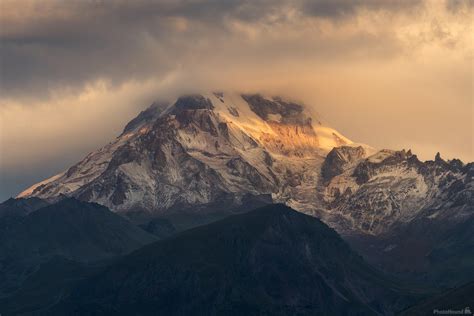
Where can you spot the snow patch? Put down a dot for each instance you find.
(30, 190)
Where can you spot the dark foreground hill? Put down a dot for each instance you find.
(271, 261)
(458, 301)
(80, 231)
(21, 206)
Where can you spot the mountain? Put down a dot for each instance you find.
(389, 189)
(76, 230)
(204, 151)
(270, 261)
(200, 152)
(21, 206)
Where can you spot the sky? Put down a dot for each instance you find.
(392, 74)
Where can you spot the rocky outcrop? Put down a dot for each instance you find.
(340, 159)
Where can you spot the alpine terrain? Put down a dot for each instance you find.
(204, 150)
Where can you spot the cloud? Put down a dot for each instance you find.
(348, 8)
(51, 45)
(457, 5)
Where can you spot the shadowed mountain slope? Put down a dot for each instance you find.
(72, 229)
(271, 261)
(459, 300)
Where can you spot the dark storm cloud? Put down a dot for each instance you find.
(56, 44)
(456, 5)
(70, 43)
(345, 8)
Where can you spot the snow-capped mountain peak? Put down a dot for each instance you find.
(204, 151)
(198, 148)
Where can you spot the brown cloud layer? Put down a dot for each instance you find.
(388, 73)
